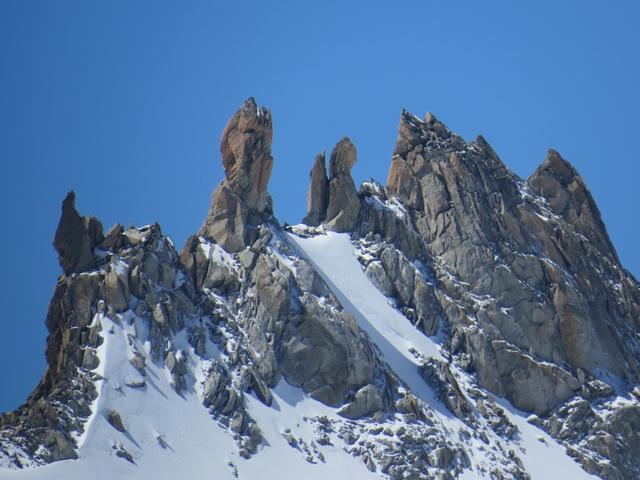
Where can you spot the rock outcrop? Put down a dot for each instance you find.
(488, 234)
(344, 204)
(76, 237)
(562, 186)
(536, 302)
(241, 199)
(516, 282)
(335, 200)
(318, 193)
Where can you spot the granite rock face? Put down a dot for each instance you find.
(533, 297)
(344, 204)
(561, 185)
(318, 194)
(516, 281)
(335, 200)
(76, 237)
(545, 285)
(242, 197)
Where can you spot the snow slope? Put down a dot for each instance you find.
(170, 436)
(334, 258)
(192, 444)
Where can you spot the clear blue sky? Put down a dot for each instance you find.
(125, 101)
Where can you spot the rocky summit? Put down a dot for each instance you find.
(457, 322)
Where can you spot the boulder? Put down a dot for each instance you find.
(117, 286)
(60, 446)
(367, 401)
(114, 419)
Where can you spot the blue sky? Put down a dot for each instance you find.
(124, 102)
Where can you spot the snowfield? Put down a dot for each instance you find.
(334, 258)
(172, 436)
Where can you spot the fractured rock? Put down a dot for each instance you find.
(318, 193)
(344, 203)
(76, 238)
(242, 197)
(366, 402)
(114, 419)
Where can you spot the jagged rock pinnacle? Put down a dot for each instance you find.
(343, 158)
(246, 154)
(334, 200)
(76, 237)
(344, 204)
(318, 193)
(241, 199)
(558, 181)
(513, 281)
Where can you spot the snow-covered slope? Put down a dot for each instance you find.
(336, 260)
(417, 344)
(169, 435)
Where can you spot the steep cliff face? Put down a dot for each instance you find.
(392, 336)
(537, 303)
(544, 268)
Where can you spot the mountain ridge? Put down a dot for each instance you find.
(508, 280)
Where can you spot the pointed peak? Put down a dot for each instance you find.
(430, 118)
(69, 200)
(559, 182)
(481, 141)
(414, 131)
(343, 158)
(318, 192)
(320, 159)
(430, 123)
(250, 109)
(246, 153)
(554, 164)
(242, 200)
(407, 117)
(75, 237)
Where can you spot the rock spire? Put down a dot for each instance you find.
(241, 200)
(76, 237)
(334, 200)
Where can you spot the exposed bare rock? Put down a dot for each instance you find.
(246, 154)
(562, 186)
(239, 201)
(403, 183)
(76, 238)
(114, 239)
(484, 228)
(227, 219)
(515, 281)
(318, 194)
(367, 401)
(324, 353)
(115, 420)
(117, 286)
(438, 375)
(344, 203)
(343, 158)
